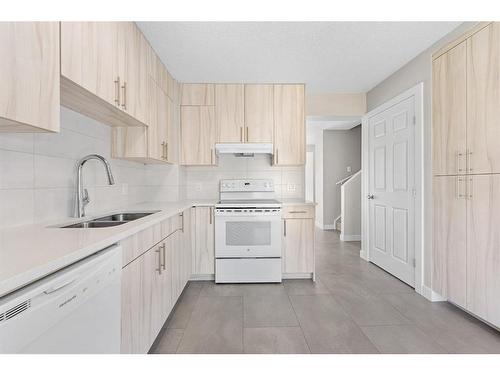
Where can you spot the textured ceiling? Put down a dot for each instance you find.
(327, 56)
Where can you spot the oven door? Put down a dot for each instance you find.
(247, 233)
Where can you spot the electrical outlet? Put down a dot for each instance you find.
(292, 187)
(349, 169)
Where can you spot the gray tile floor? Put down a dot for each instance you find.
(354, 307)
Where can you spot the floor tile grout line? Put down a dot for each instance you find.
(300, 325)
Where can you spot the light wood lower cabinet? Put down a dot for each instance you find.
(298, 239)
(153, 281)
(483, 247)
(450, 235)
(29, 77)
(203, 262)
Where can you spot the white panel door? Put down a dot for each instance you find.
(391, 197)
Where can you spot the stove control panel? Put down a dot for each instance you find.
(246, 185)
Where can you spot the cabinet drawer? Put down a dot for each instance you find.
(303, 211)
(139, 243)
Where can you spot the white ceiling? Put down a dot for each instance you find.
(327, 56)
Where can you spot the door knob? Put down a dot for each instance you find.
(370, 196)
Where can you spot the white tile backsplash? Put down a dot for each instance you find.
(38, 174)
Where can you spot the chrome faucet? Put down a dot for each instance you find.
(82, 195)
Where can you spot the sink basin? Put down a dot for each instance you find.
(95, 224)
(110, 220)
(126, 216)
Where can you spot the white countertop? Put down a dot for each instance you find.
(30, 252)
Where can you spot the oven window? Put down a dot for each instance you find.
(248, 233)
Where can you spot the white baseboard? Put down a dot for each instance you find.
(350, 237)
(286, 276)
(363, 255)
(209, 277)
(431, 295)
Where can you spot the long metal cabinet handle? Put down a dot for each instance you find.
(469, 161)
(159, 259)
(241, 133)
(163, 150)
(211, 156)
(210, 214)
(284, 227)
(458, 194)
(470, 188)
(124, 88)
(182, 222)
(458, 161)
(276, 160)
(246, 133)
(298, 212)
(117, 91)
(166, 150)
(164, 256)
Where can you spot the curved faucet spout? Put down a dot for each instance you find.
(82, 196)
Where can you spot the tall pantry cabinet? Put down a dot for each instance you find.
(466, 168)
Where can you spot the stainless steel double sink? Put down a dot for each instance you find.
(110, 220)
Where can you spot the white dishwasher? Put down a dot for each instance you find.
(75, 310)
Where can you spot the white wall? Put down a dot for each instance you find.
(203, 182)
(38, 175)
(418, 70)
(341, 148)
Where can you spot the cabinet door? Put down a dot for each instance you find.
(259, 113)
(137, 296)
(29, 76)
(89, 57)
(483, 100)
(204, 258)
(197, 135)
(449, 247)
(449, 111)
(133, 70)
(197, 94)
(483, 247)
(229, 113)
(298, 245)
(289, 125)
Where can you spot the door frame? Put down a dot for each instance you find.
(417, 92)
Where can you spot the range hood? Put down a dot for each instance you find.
(244, 149)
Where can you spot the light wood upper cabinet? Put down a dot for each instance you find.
(483, 100)
(197, 94)
(29, 76)
(203, 261)
(89, 57)
(449, 111)
(259, 113)
(483, 247)
(289, 125)
(229, 113)
(133, 71)
(198, 135)
(449, 236)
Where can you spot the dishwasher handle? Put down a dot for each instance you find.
(54, 289)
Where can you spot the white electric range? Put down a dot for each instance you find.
(247, 232)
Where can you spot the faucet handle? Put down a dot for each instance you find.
(85, 198)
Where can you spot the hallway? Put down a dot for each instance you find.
(354, 307)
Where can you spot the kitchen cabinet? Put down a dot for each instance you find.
(104, 71)
(158, 143)
(483, 247)
(29, 77)
(289, 125)
(198, 94)
(229, 113)
(198, 135)
(298, 241)
(203, 262)
(259, 113)
(450, 235)
(483, 98)
(449, 72)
